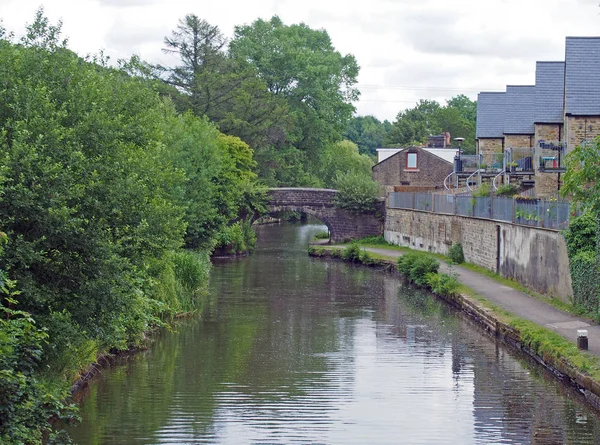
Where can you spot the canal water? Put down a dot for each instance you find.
(295, 350)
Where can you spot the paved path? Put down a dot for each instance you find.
(519, 303)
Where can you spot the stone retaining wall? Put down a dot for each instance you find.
(536, 258)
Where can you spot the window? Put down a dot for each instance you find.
(411, 160)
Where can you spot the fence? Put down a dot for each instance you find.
(536, 213)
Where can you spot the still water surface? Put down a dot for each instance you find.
(294, 350)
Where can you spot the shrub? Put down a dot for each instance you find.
(443, 284)
(352, 253)
(377, 240)
(456, 253)
(584, 274)
(415, 266)
(483, 190)
(322, 235)
(356, 193)
(507, 190)
(237, 238)
(581, 234)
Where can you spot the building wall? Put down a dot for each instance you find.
(430, 173)
(537, 258)
(546, 184)
(488, 148)
(548, 133)
(518, 140)
(581, 128)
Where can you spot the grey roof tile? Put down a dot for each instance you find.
(519, 109)
(549, 92)
(490, 115)
(582, 76)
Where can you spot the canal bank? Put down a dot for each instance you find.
(521, 321)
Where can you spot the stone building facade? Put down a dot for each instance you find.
(412, 167)
(553, 117)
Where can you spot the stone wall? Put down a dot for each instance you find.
(581, 128)
(342, 225)
(537, 258)
(488, 148)
(548, 133)
(518, 140)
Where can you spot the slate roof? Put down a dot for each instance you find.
(549, 92)
(519, 109)
(490, 115)
(582, 76)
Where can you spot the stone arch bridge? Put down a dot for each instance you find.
(342, 224)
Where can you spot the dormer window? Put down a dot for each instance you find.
(411, 161)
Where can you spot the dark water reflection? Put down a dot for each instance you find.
(293, 350)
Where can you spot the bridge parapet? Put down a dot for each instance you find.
(342, 225)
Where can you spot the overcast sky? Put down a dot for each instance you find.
(407, 49)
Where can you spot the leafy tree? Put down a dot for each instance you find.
(356, 192)
(412, 126)
(301, 65)
(415, 124)
(342, 158)
(368, 133)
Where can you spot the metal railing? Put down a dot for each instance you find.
(549, 214)
(550, 156)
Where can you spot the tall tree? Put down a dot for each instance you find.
(368, 133)
(227, 91)
(301, 65)
(415, 124)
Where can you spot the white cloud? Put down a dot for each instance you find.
(407, 49)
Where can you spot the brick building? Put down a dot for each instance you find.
(414, 168)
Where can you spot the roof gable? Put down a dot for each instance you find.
(490, 115)
(519, 109)
(582, 76)
(549, 92)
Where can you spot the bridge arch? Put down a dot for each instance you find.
(342, 225)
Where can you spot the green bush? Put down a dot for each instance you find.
(507, 190)
(415, 266)
(322, 235)
(374, 240)
(581, 234)
(443, 284)
(482, 190)
(456, 253)
(356, 193)
(237, 238)
(352, 253)
(584, 275)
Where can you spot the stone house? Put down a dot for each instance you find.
(414, 168)
(582, 90)
(560, 112)
(489, 129)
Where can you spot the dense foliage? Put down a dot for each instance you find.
(356, 192)
(102, 184)
(583, 236)
(368, 133)
(428, 117)
(456, 253)
(416, 266)
(581, 239)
